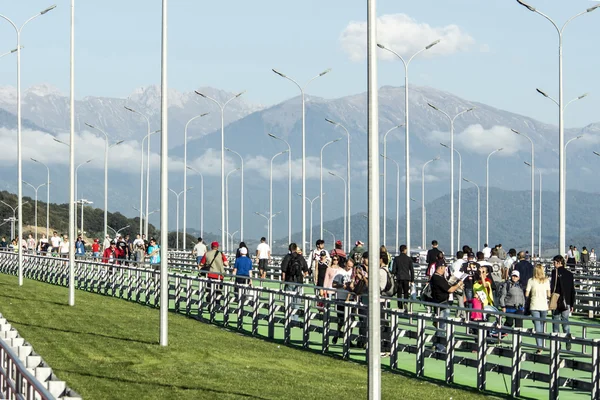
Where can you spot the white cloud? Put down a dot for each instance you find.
(482, 141)
(405, 36)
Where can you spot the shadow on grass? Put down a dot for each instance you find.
(165, 385)
(35, 300)
(82, 333)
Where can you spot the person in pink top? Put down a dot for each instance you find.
(332, 271)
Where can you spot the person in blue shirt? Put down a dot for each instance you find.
(242, 267)
(154, 254)
(79, 247)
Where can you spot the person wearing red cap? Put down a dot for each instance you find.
(339, 251)
(214, 261)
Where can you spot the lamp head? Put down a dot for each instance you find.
(48, 9)
(332, 174)
(240, 93)
(596, 153)
(471, 109)
(432, 106)
(330, 121)
(583, 95)
(279, 73)
(445, 145)
(90, 125)
(204, 115)
(515, 131)
(325, 72)
(579, 137)
(432, 44)
(530, 8)
(540, 91)
(118, 143)
(381, 46)
(200, 94)
(526, 163)
(500, 149)
(273, 136)
(336, 140)
(593, 8)
(436, 158)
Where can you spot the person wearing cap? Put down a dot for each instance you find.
(356, 252)
(200, 250)
(320, 267)
(511, 259)
(109, 256)
(106, 243)
(139, 247)
(263, 257)
(511, 299)
(315, 255)
(339, 251)
(214, 261)
(242, 267)
(96, 248)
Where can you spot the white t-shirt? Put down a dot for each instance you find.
(138, 244)
(200, 249)
(539, 294)
(487, 252)
(263, 251)
(56, 241)
(64, 247)
(341, 278)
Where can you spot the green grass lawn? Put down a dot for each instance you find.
(106, 348)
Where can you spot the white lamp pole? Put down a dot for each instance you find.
(345, 199)
(201, 199)
(487, 196)
(423, 223)
(76, 184)
(459, 195)
(406, 126)
(532, 190)
(397, 248)
(106, 147)
(177, 216)
(35, 208)
(478, 212)
(385, 185)
(222, 108)
(271, 195)
(147, 137)
(321, 183)
(311, 201)
(332, 235)
(19, 136)
(241, 192)
(451, 119)
(47, 197)
(561, 126)
(227, 202)
(185, 139)
(348, 182)
(289, 186)
(302, 89)
(540, 212)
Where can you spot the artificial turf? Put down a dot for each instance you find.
(107, 348)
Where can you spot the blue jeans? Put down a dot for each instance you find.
(441, 329)
(539, 325)
(561, 316)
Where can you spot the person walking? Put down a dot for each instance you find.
(562, 283)
(293, 271)
(511, 299)
(538, 292)
(242, 268)
(263, 257)
(525, 269)
(405, 275)
(199, 250)
(357, 251)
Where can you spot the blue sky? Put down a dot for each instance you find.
(501, 53)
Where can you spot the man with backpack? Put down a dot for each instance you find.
(339, 251)
(293, 270)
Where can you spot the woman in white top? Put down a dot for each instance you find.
(538, 289)
(64, 247)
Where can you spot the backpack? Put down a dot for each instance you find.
(357, 257)
(295, 267)
(390, 285)
(427, 293)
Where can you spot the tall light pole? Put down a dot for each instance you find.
(302, 89)
(539, 211)
(227, 200)
(148, 164)
(532, 190)
(451, 119)
(83, 204)
(143, 214)
(332, 235)
(561, 126)
(347, 181)
(177, 194)
(487, 196)
(147, 137)
(106, 147)
(185, 139)
(385, 185)
(289, 185)
(76, 184)
(397, 248)
(271, 194)
(423, 226)
(222, 108)
(566, 145)
(345, 199)
(459, 194)
(47, 197)
(72, 209)
(201, 199)
(268, 219)
(321, 182)
(478, 212)
(14, 217)
(311, 201)
(241, 192)
(19, 134)
(406, 127)
(36, 202)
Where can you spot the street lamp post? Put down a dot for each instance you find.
(459, 195)
(311, 217)
(271, 194)
(566, 145)
(302, 89)
(116, 231)
(35, 208)
(76, 185)
(423, 226)
(177, 216)
(106, 147)
(227, 201)
(147, 137)
(345, 199)
(144, 214)
(451, 119)
(478, 212)
(487, 196)
(14, 218)
(321, 183)
(185, 139)
(241, 192)
(406, 127)
(561, 126)
(18, 31)
(532, 190)
(539, 211)
(222, 108)
(289, 185)
(83, 203)
(268, 219)
(385, 186)
(397, 200)
(347, 181)
(201, 199)
(332, 235)
(148, 164)
(47, 197)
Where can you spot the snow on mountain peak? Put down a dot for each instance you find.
(43, 90)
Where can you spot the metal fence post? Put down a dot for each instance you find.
(554, 368)
(271, 315)
(481, 356)
(346, 323)
(306, 325)
(288, 318)
(420, 371)
(395, 335)
(515, 387)
(596, 369)
(450, 342)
